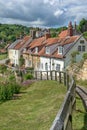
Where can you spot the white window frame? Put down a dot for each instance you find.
(36, 49)
(47, 50)
(57, 67)
(60, 50)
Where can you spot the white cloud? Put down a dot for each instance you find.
(42, 12)
(58, 13)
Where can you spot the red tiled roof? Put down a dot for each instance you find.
(51, 41)
(37, 42)
(69, 40)
(63, 34)
(21, 43)
(43, 42)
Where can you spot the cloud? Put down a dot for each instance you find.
(44, 13)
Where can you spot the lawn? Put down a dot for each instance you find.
(79, 116)
(3, 56)
(35, 109)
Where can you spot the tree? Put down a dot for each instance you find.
(83, 25)
(73, 56)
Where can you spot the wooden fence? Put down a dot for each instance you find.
(60, 76)
(63, 120)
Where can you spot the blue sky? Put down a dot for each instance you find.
(42, 13)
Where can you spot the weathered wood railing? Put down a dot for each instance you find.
(63, 120)
(60, 76)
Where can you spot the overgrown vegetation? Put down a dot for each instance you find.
(8, 89)
(73, 56)
(85, 56)
(28, 76)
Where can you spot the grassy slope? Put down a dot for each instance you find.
(79, 116)
(35, 109)
(3, 56)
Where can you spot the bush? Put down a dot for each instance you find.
(28, 76)
(7, 90)
(3, 68)
(85, 56)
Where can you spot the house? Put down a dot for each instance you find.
(46, 53)
(15, 49)
(31, 56)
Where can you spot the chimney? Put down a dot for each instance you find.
(47, 35)
(33, 34)
(74, 29)
(70, 29)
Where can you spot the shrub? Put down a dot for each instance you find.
(7, 90)
(28, 76)
(3, 68)
(85, 56)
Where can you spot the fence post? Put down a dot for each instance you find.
(47, 75)
(59, 77)
(56, 75)
(36, 74)
(67, 83)
(64, 78)
(51, 74)
(41, 75)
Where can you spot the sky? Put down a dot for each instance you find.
(42, 13)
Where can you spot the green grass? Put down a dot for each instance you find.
(35, 109)
(79, 116)
(3, 56)
(82, 83)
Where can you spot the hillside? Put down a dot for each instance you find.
(9, 33)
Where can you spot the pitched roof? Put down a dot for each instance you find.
(42, 43)
(63, 34)
(21, 43)
(37, 42)
(51, 41)
(69, 40)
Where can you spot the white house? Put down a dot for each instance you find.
(15, 49)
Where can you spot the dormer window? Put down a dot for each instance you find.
(36, 50)
(47, 50)
(60, 50)
(82, 41)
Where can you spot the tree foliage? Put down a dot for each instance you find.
(9, 33)
(83, 25)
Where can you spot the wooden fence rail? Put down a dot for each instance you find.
(62, 77)
(63, 120)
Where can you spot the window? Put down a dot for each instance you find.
(46, 66)
(47, 50)
(58, 67)
(36, 50)
(60, 49)
(82, 41)
(81, 48)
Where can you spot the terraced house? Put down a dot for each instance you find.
(46, 53)
(15, 49)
